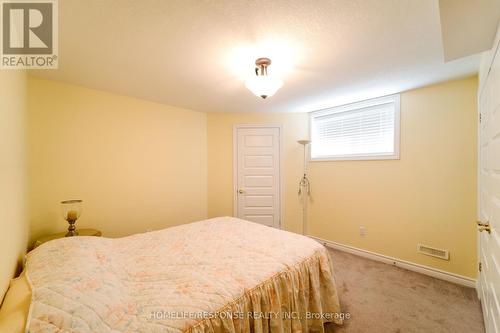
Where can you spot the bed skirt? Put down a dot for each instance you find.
(300, 299)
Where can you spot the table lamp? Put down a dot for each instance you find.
(71, 211)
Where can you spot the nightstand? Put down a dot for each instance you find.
(81, 232)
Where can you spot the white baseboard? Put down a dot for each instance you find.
(437, 273)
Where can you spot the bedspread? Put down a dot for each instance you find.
(217, 275)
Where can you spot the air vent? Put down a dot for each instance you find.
(434, 252)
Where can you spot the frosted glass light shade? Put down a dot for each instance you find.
(71, 209)
(264, 86)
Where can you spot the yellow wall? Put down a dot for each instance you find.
(13, 196)
(140, 165)
(137, 165)
(427, 196)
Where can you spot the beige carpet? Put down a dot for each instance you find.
(385, 298)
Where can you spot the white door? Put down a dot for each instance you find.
(257, 174)
(489, 189)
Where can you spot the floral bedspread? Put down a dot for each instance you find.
(217, 275)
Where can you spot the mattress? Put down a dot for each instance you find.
(217, 275)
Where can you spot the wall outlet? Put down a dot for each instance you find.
(362, 231)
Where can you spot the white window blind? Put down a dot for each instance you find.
(364, 130)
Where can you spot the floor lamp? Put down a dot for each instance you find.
(304, 188)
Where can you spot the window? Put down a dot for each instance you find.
(367, 130)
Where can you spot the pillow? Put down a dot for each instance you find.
(15, 307)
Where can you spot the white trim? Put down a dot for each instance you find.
(365, 157)
(395, 98)
(434, 272)
(478, 191)
(235, 165)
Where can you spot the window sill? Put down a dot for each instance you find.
(355, 158)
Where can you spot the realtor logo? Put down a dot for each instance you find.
(29, 34)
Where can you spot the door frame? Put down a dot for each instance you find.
(236, 127)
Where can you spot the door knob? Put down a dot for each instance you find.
(484, 226)
(241, 191)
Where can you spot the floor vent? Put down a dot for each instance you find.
(432, 251)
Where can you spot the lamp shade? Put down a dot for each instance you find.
(263, 85)
(71, 209)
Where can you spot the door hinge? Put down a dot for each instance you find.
(480, 267)
(480, 117)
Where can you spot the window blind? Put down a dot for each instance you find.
(362, 129)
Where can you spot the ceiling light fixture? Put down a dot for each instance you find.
(263, 85)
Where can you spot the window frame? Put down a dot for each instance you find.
(395, 98)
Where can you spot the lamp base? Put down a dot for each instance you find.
(71, 229)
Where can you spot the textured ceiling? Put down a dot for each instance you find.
(196, 54)
(468, 26)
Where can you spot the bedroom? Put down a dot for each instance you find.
(151, 114)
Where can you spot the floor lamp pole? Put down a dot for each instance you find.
(304, 188)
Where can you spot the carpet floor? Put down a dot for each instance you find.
(384, 298)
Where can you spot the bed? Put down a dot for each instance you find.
(217, 275)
